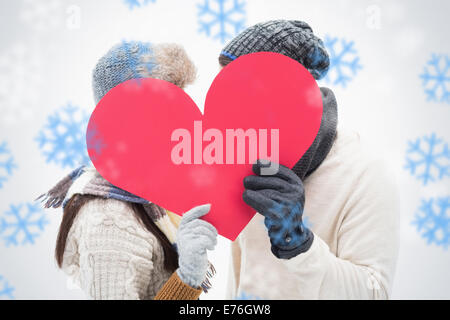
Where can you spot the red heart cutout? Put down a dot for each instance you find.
(129, 134)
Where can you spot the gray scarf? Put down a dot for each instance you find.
(323, 142)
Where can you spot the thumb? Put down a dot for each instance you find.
(196, 213)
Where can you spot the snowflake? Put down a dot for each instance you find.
(20, 82)
(224, 18)
(22, 223)
(63, 139)
(244, 296)
(137, 3)
(436, 78)
(6, 291)
(305, 220)
(344, 62)
(261, 278)
(94, 140)
(431, 154)
(42, 14)
(433, 221)
(136, 66)
(7, 163)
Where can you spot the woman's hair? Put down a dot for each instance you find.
(77, 201)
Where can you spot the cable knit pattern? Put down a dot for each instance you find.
(111, 255)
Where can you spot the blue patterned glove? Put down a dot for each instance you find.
(280, 198)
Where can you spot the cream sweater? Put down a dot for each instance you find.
(111, 255)
(351, 206)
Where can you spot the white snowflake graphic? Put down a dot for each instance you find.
(42, 14)
(137, 3)
(20, 83)
(221, 19)
(433, 221)
(22, 224)
(344, 61)
(6, 291)
(428, 158)
(63, 138)
(436, 78)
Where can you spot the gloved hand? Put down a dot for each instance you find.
(194, 237)
(280, 198)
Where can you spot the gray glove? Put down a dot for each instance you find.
(194, 237)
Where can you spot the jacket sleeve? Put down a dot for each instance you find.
(367, 245)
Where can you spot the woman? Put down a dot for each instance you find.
(114, 244)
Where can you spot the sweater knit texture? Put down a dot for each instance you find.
(351, 207)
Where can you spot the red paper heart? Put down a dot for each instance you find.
(129, 134)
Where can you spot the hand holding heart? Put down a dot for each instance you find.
(131, 138)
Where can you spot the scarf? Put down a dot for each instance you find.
(323, 142)
(87, 181)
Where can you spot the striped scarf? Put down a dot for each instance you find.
(87, 181)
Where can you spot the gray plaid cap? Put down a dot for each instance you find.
(292, 38)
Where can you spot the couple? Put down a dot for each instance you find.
(119, 246)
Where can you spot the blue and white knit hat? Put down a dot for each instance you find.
(134, 60)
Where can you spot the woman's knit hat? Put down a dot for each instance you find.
(294, 39)
(134, 60)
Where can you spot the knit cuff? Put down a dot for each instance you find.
(175, 289)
